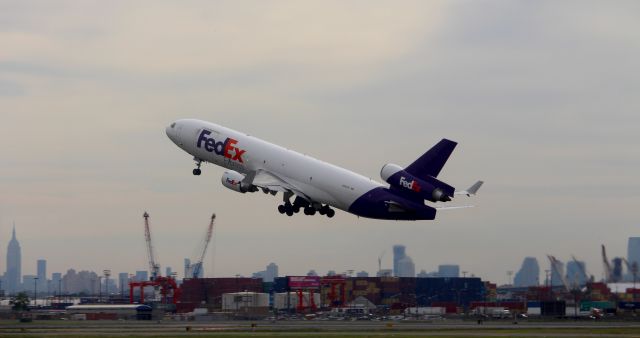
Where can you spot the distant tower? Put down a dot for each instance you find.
(14, 264)
(399, 252)
(529, 273)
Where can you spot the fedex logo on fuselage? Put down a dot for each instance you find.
(413, 185)
(226, 148)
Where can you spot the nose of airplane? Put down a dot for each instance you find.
(172, 132)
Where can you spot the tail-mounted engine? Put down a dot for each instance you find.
(429, 188)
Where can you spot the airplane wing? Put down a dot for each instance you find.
(264, 179)
(472, 190)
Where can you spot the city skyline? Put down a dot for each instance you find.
(540, 96)
(527, 276)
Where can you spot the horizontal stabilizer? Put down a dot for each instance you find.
(471, 190)
(455, 207)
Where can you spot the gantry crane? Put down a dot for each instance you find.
(167, 285)
(153, 266)
(555, 265)
(608, 271)
(196, 267)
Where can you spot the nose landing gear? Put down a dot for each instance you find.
(197, 170)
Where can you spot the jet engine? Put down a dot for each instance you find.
(233, 180)
(429, 188)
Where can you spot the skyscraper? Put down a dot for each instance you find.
(362, 274)
(187, 268)
(398, 254)
(633, 257)
(56, 283)
(449, 270)
(142, 275)
(616, 274)
(529, 273)
(271, 272)
(42, 275)
(123, 282)
(406, 268)
(14, 265)
(575, 273)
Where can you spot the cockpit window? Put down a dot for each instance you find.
(173, 124)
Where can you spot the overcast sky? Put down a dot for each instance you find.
(542, 96)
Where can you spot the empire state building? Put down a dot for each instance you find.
(14, 263)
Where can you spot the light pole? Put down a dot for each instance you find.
(35, 292)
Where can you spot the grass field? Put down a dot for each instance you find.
(102, 332)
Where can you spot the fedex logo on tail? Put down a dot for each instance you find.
(224, 148)
(413, 185)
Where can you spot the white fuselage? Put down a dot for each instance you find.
(321, 181)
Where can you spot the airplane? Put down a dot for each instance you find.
(254, 164)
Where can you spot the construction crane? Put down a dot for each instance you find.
(153, 266)
(196, 267)
(608, 272)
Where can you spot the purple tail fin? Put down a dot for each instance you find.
(431, 163)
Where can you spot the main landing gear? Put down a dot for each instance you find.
(197, 170)
(299, 203)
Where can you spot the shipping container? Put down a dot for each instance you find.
(290, 300)
(602, 305)
(243, 300)
(553, 308)
(421, 311)
(629, 305)
(450, 307)
(534, 310)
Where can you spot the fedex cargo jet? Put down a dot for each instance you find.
(314, 186)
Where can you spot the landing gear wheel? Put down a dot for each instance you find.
(281, 209)
(330, 213)
(197, 171)
(288, 209)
